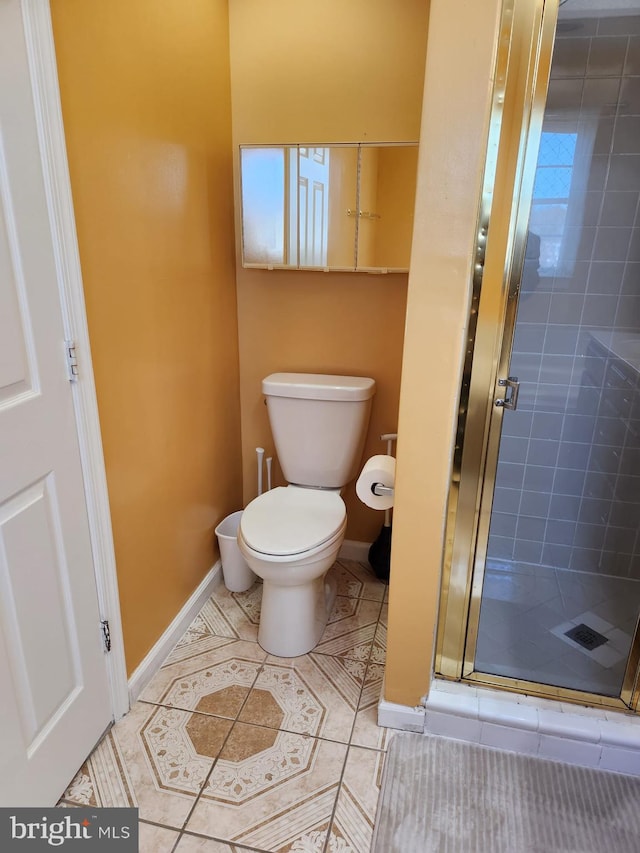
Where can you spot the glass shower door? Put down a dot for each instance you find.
(561, 589)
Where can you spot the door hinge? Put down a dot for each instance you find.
(106, 635)
(72, 360)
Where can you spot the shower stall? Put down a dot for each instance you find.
(542, 575)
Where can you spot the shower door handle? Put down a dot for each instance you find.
(511, 401)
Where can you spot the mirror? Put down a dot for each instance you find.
(333, 207)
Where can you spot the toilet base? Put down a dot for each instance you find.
(293, 618)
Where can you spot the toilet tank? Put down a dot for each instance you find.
(319, 423)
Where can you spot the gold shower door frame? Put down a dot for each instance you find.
(522, 69)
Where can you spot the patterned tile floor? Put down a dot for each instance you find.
(231, 749)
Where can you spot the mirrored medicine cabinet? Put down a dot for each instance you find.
(334, 207)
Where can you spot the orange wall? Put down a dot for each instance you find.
(352, 72)
(461, 51)
(146, 105)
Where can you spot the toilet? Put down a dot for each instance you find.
(291, 535)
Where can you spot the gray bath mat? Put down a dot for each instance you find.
(446, 796)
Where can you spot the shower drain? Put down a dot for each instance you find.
(586, 636)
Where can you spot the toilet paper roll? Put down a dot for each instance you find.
(378, 469)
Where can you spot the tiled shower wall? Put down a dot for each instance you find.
(568, 480)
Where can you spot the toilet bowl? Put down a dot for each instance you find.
(290, 536)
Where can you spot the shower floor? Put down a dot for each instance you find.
(527, 611)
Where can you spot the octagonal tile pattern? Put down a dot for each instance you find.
(262, 703)
(300, 710)
(230, 749)
(206, 735)
(256, 760)
(215, 682)
(226, 701)
(317, 695)
(218, 689)
(181, 747)
(123, 769)
(274, 798)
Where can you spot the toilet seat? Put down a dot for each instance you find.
(290, 520)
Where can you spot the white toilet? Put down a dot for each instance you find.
(291, 535)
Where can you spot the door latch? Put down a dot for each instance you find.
(510, 401)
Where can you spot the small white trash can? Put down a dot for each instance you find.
(236, 573)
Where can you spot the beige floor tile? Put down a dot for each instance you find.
(232, 614)
(155, 839)
(357, 580)
(197, 844)
(275, 784)
(215, 682)
(271, 790)
(195, 643)
(367, 732)
(351, 628)
(372, 686)
(352, 826)
(155, 758)
(312, 694)
(379, 648)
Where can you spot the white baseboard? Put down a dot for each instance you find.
(351, 549)
(145, 671)
(393, 716)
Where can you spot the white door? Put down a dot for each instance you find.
(54, 695)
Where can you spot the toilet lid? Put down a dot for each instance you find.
(289, 520)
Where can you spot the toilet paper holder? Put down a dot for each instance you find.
(379, 489)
